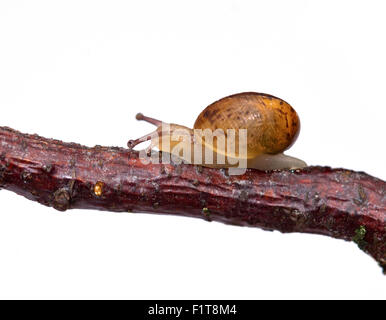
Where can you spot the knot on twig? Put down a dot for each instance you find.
(2, 174)
(62, 199)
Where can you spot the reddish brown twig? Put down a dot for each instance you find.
(336, 202)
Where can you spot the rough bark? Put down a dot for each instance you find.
(335, 202)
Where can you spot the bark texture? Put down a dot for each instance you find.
(335, 202)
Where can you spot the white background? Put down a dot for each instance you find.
(80, 71)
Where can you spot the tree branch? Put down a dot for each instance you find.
(336, 202)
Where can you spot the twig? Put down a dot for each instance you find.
(336, 202)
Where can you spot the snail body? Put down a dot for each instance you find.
(260, 125)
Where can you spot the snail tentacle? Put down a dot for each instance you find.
(141, 117)
(151, 136)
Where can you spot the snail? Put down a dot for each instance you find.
(259, 126)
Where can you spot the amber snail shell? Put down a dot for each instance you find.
(272, 124)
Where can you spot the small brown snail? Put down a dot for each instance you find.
(251, 130)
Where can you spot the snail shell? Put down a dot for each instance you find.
(272, 124)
